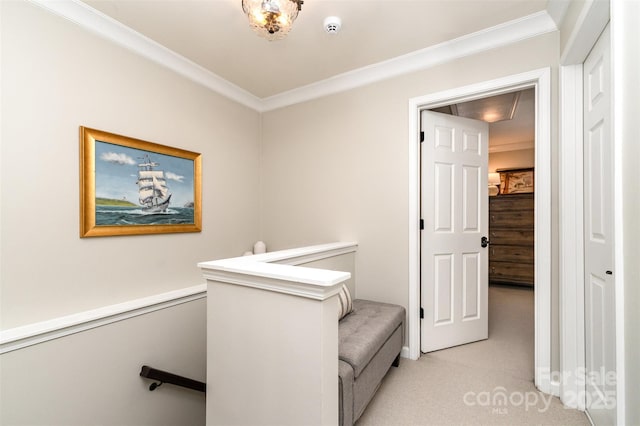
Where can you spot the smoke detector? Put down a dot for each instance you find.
(332, 24)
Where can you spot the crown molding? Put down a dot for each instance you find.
(106, 27)
(500, 35)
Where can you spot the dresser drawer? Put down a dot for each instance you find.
(508, 272)
(522, 254)
(511, 202)
(511, 219)
(511, 236)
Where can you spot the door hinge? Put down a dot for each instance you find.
(421, 313)
(421, 137)
(421, 224)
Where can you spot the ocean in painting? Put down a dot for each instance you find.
(124, 215)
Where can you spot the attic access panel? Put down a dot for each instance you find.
(492, 109)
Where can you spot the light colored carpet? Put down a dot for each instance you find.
(483, 383)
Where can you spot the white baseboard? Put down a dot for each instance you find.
(40, 332)
(405, 352)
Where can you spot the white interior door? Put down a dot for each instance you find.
(454, 266)
(600, 335)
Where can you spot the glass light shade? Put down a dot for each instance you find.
(271, 19)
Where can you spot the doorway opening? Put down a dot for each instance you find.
(539, 80)
(507, 260)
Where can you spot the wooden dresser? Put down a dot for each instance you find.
(511, 219)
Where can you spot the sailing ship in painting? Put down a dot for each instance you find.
(137, 187)
(154, 195)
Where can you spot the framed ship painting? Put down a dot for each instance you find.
(130, 187)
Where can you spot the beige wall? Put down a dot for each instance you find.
(340, 170)
(92, 377)
(338, 173)
(512, 159)
(344, 263)
(56, 77)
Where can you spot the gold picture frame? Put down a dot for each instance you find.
(517, 181)
(134, 187)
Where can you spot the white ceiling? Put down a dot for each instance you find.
(519, 132)
(215, 34)
(515, 133)
(211, 42)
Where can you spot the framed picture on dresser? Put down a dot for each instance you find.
(516, 181)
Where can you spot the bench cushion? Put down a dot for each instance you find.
(363, 332)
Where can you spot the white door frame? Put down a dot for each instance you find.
(541, 80)
(590, 23)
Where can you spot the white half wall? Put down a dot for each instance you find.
(274, 360)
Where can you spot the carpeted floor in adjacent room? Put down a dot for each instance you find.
(484, 383)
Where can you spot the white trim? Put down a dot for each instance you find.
(490, 38)
(413, 315)
(302, 255)
(543, 258)
(98, 23)
(541, 80)
(404, 353)
(620, 18)
(40, 332)
(571, 226)
(247, 276)
(261, 271)
(32, 334)
(590, 23)
(505, 147)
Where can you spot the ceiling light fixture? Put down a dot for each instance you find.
(272, 19)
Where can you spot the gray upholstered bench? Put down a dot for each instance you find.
(370, 341)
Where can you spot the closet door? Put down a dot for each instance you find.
(600, 324)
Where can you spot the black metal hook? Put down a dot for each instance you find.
(154, 386)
